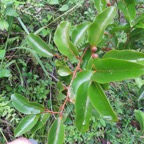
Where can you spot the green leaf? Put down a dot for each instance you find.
(81, 77)
(61, 39)
(56, 133)
(3, 25)
(130, 5)
(63, 68)
(128, 9)
(78, 34)
(26, 124)
(39, 45)
(86, 58)
(136, 35)
(64, 8)
(100, 102)
(137, 22)
(64, 71)
(4, 73)
(100, 5)
(109, 70)
(140, 118)
(141, 96)
(53, 2)
(24, 106)
(105, 86)
(11, 12)
(41, 122)
(122, 27)
(96, 29)
(83, 108)
(128, 55)
(2, 54)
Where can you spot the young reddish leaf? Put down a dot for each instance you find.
(128, 55)
(100, 102)
(96, 29)
(39, 45)
(24, 106)
(26, 124)
(83, 107)
(56, 133)
(41, 122)
(78, 34)
(80, 78)
(61, 39)
(109, 70)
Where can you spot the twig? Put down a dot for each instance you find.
(51, 112)
(68, 94)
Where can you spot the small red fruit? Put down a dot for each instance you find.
(94, 49)
(94, 55)
(108, 4)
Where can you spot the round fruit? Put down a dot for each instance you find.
(94, 55)
(108, 4)
(94, 49)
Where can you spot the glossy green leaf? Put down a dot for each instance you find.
(2, 54)
(24, 106)
(78, 34)
(83, 108)
(41, 122)
(128, 9)
(4, 73)
(61, 39)
(39, 45)
(86, 58)
(64, 71)
(80, 78)
(96, 29)
(109, 70)
(56, 133)
(105, 86)
(122, 27)
(140, 118)
(129, 55)
(100, 5)
(100, 102)
(131, 7)
(26, 124)
(137, 22)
